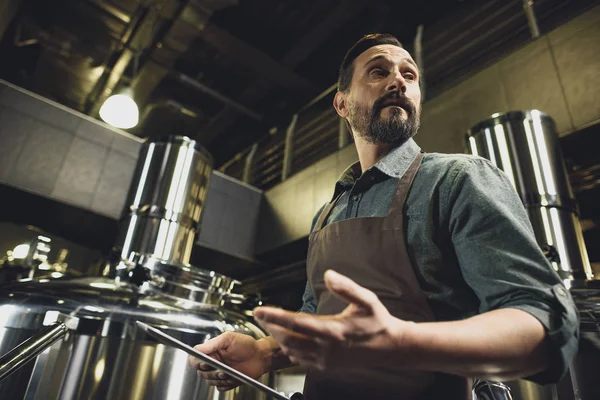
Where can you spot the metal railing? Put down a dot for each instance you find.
(314, 132)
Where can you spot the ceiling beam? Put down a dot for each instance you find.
(176, 41)
(8, 10)
(316, 36)
(257, 60)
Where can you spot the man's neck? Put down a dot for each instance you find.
(369, 154)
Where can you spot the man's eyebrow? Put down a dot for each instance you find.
(382, 57)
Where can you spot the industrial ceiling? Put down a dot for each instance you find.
(226, 71)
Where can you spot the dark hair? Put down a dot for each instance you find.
(364, 43)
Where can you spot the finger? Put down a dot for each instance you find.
(215, 344)
(303, 357)
(226, 388)
(202, 366)
(306, 360)
(223, 382)
(213, 375)
(349, 291)
(325, 328)
(295, 344)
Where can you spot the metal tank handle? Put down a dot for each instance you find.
(37, 344)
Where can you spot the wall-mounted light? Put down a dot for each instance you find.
(120, 110)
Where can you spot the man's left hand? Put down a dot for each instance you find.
(361, 335)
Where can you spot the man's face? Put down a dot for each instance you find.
(383, 103)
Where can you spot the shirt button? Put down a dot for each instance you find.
(355, 198)
(561, 292)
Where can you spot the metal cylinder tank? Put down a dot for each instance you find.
(524, 144)
(165, 200)
(106, 356)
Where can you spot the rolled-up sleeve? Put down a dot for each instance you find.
(308, 301)
(502, 262)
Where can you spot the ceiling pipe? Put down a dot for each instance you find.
(110, 9)
(185, 110)
(531, 19)
(115, 70)
(418, 47)
(193, 83)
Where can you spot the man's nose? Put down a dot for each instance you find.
(396, 83)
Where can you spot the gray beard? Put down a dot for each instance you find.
(394, 130)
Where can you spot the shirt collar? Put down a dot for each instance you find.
(394, 164)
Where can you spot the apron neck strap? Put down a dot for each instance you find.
(323, 217)
(398, 202)
(404, 185)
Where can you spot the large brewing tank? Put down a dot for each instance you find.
(105, 356)
(524, 144)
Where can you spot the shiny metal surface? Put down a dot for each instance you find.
(231, 372)
(165, 200)
(581, 381)
(105, 355)
(488, 390)
(182, 281)
(559, 232)
(31, 348)
(524, 145)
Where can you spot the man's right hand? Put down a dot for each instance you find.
(241, 352)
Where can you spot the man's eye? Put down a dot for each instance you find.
(377, 72)
(409, 76)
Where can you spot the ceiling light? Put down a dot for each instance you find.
(20, 251)
(120, 110)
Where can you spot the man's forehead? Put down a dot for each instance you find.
(386, 50)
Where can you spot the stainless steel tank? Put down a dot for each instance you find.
(524, 144)
(581, 380)
(106, 357)
(165, 200)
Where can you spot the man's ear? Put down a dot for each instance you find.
(340, 104)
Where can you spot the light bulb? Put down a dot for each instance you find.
(120, 110)
(20, 251)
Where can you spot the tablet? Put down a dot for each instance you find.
(169, 340)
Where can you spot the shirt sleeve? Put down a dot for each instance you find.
(309, 304)
(501, 261)
(308, 301)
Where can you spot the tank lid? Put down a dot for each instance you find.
(183, 140)
(500, 118)
(183, 281)
(107, 308)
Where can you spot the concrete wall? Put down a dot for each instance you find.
(230, 217)
(288, 210)
(558, 73)
(52, 151)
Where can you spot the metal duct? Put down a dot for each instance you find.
(524, 144)
(165, 200)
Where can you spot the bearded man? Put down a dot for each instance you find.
(423, 270)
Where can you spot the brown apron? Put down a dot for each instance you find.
(372, 251)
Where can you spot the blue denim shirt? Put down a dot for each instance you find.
(470, 242)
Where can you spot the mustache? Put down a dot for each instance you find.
(398, 99)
